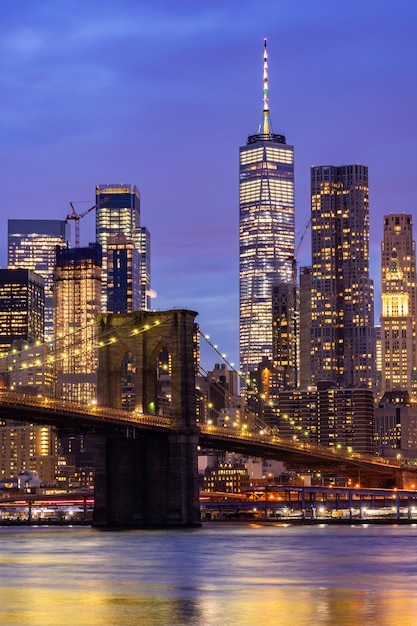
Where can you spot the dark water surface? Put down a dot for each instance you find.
(222, 574)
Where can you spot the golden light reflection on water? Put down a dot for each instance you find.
(295, 606)
(228, 576)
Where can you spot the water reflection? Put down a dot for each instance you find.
(222, 574)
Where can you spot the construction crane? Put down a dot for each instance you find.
(293, 258)
(77, 216)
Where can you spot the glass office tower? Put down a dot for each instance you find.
(118, 213)
(342, 305)
(266, 232)
(32, 245)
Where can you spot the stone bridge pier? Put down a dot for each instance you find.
(148, 477)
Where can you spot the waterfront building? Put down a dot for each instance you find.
(342, 308)
(118, 213)
(28, 447)
(399, 305)
(77, 300)
(32, 245)
(266, 232)
(22, 307)
(226, 478)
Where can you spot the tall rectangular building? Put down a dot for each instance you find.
(22, 304)
(266, 233)
(77, 300)
(123, 275)
(22, 307)
(342, 309)
(118, 213)
(399, 305)
(31, 246)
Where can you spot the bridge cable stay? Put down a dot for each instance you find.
(207, 360)
(52, 351)
(74, 342)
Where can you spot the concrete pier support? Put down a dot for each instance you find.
(148, 478)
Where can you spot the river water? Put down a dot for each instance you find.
(221, 574)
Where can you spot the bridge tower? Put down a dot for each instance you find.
(148, 478)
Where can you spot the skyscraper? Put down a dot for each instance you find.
(24, 446)
(77, 300)
(118, 213)
(22, 307)
(399, 305)
(266, 232)
(343, 339)
(31, 246)
(123, 275)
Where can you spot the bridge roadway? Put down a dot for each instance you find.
(65, 414)
(295, 453)
(38, 409)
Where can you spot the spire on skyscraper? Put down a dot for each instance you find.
(265, 127)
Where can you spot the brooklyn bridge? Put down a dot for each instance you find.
(146, 462)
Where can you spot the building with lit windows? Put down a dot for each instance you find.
(123, 275)
(266, 232)
(342, 310)
(399, 305)
(28, 447)
(118, 213)
(32, 245)
(24, 446)
(77, 300)
(22, 307)
(285, 335)
(326, 415)
(305, 326)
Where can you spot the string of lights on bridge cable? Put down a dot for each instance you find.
(15, 359)
(73, 342)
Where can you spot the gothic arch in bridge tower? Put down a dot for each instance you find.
(147, 336)
(148, 477)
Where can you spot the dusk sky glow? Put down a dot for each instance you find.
(161, 95)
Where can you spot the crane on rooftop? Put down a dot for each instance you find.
(77, 216)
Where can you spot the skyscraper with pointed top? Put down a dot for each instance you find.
(266, 231)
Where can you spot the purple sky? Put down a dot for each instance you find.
(161, 94)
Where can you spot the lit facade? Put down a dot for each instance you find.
(342, 311)
(28, 447)
(118, 212)
(77, 300)
(399, 305)
(396, 428)
(305, 326)
(29, 367)
(32, 245)
(22, 307)
(326, 415)
(266, 233)
(123, 275)
(285, 335)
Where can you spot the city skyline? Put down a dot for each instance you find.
(108, 94)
